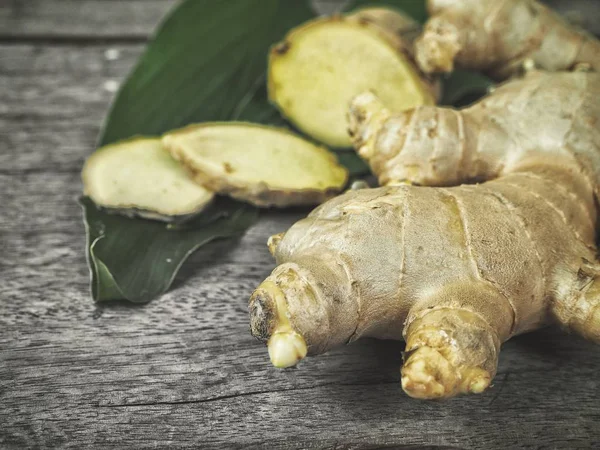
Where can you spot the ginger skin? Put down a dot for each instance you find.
(454, 271)
(497, 37)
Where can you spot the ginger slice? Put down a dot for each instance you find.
(320, 66)
(139, 177)
(262, 165)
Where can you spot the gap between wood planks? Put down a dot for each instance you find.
(72, 41)
(59, 22)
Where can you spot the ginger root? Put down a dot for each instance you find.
(455, 271)
(323, 64)
(498, 37)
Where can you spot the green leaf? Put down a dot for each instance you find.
(462, 88)
(414, 8)
(354, 163)
(207, 62)
(137, 260)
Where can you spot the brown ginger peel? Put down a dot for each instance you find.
(499, 37)
(455, 270)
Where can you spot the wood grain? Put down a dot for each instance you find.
(133, 20)
(56, 102)
(90, 20)
(80, 19)
(183, 371)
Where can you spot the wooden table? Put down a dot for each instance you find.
(184, 370)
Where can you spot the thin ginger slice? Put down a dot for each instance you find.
(138, 177)
(263, 165)
(320, 66)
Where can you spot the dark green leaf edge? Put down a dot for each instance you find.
(226, 230)
(225, 222)
(104, 286)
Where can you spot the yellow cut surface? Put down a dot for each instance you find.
(141, 175)
(321, 66)
(251, 161)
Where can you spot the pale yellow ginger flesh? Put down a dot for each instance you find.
(286, 347)
(499, 36)
(139, 177)
(323, 64)
(262, 165)
(454, 271)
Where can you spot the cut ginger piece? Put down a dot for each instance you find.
(259, 164)
(138, 177)
(321, 65)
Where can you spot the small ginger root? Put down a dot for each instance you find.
(499, 37)
(286, 347)
(323, 64)
(262, 165)
(455, 271)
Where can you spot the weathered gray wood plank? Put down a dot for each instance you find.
(135, 19)
(184, 371)
(91, 19)
(53, 100)
(108, 19)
